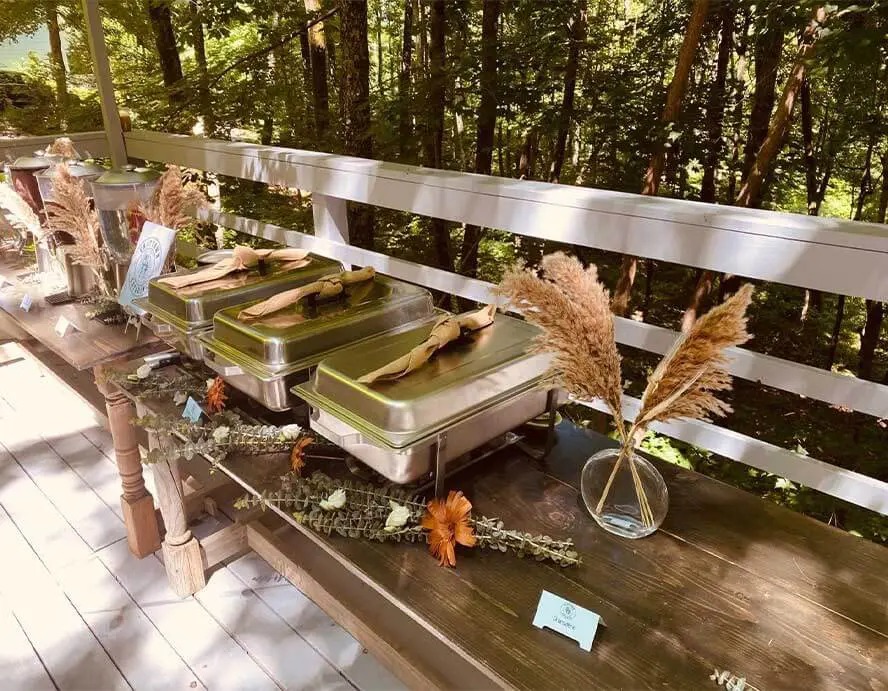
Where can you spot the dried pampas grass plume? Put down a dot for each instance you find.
(687, 378)
(63, 146)
(21, 212)
(573, 309)
(71, 212)
(173, 200)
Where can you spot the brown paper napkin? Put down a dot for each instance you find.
(446, 329)
(242, 258)
(325, 287)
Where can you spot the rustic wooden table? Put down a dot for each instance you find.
(90, 345)
(729, 582)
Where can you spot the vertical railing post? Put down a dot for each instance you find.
(330, 218)
(102, 71)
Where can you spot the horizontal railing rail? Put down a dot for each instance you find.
(88, 145)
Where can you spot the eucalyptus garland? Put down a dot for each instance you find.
(181, 438)
(390, 514)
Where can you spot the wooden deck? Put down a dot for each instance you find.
(78, 611)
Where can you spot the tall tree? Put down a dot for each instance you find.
(674, 95)
(57, 57)
(318, 55)
(167, 49)
(766, 60)
(433, 139)
(358, 137)
(566, 112)
(405, 116)
(486, 123)
(715, 114)
(200, 58)
(750, 193)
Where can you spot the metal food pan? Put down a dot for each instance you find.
(194, 306)
(468, 375)
(272, 387)
(186, 342)
(418, 460)
(281, 341)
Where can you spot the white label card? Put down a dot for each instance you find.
(26, 302)
(556, 613)
(5, 281)
(63, 326)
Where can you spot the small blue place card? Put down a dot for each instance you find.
(566, 618)
(192, 410)
(26, 302)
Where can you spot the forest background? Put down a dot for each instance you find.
(778, 105)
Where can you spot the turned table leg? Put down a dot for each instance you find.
(181, 550)
(136, 502)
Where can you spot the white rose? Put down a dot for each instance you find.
(210, 384)
(144, 371)
(220, 434)
(397, 518)
(290, 432)
(180, 397)
(334, 502)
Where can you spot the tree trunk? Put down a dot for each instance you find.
(433, 139)
(814, 191)
(674, 95)
(380, 82)
(167, 50)
(405, 125)
(486, 123)
(358, 136)
(750, 194)
(715, 108)
(875, 311)
(739, 97)
(577, 35)
(715, 112)
(57, 59)
(317, 48)
(865, 189)
(200, 57)
(768, 48)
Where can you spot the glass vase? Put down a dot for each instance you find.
(625, 493)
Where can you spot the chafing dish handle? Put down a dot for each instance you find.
(222, 368)
(158, 328)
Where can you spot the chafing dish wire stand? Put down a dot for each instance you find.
(509, 439)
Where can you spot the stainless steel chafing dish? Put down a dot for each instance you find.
(472, 391)
(178, 316)
(264, 358)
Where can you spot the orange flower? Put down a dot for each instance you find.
(448, 524)
(216, 396)
(297, 455)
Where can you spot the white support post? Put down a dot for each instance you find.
(330, 218)
(102, 71)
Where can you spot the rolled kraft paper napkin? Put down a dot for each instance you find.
(325, 287)
(242, 258)
(447, 329)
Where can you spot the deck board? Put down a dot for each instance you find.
(65, 644)
(22, 668)
(117, 612)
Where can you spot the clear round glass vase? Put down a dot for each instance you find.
(625, 493)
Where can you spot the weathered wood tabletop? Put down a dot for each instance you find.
(729, 582)
(91, 344)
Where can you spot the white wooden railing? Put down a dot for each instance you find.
(831, 255)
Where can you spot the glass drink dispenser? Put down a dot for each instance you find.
(116, 192)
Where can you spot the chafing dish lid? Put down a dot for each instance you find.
(302, 332)
(470, 374)
(194, 306)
